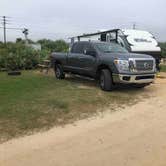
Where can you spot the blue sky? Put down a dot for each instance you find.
(56, 19)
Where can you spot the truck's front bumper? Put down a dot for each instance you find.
(135, 79)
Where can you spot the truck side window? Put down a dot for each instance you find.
(89, 50)
(103, 37)
(77, 48)
(73, 48)
(88, 47)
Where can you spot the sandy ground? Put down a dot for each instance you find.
(135, 136)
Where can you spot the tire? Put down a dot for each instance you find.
(105, 80)
(14, 73)
(139, 86)
(59, 72)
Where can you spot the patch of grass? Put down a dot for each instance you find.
(32, 102)
(163, 68)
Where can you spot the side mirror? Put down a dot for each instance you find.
(90, 52)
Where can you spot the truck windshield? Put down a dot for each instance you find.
(110, 48)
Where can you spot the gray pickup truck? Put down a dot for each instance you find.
(109, 63)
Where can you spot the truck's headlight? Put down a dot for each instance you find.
(122, 65)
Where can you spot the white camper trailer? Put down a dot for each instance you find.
(136, 41)
(142, 42)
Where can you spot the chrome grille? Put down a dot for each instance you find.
(144, 65)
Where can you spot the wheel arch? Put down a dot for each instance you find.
(56, 62)
(100, 67)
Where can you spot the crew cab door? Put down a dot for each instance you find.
(73, 64)
(87, 59)
(78, 61)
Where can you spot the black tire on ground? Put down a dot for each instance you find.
(140, 85)
(105, 80)
(59, 72)
(14, 73)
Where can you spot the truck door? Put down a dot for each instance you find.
(73, 64)
(78, 61)
(87, 60)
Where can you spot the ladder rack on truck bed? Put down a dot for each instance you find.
(103, 36)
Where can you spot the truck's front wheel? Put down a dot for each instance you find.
(59, 72)
(106, 82)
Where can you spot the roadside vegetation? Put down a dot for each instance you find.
(163, 49)
(18, 55)
(33, 102)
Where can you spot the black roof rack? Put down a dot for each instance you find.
(94, 34)
(97, 33)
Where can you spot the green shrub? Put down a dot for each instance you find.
(29, 58)
(163, 49)
(54, 46)
(14, 56)
(3, 55)
(18, 56)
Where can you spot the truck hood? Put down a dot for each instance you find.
(125, 55)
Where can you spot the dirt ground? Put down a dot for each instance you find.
(134, 136)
